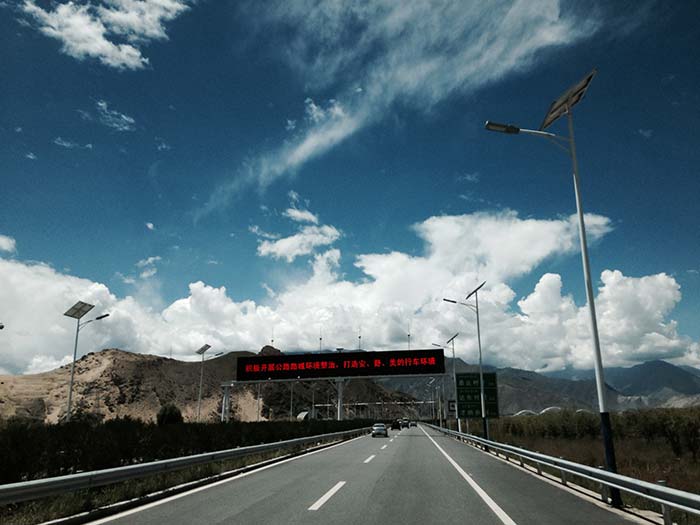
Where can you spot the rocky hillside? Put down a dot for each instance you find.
(113, 383)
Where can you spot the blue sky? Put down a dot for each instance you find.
(328, 167)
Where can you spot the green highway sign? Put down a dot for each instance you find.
(469, 395)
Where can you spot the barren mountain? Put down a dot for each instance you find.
(114, 383)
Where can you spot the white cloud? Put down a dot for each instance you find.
(141, 20)
(69, 144)
(544, 328)
(401, 53)
(93, 30)
(29, 155)
(44, 363)
(469, 177)
(255, 230)
(150, 226)
(302, 243)
(290, 125)
(83, 35)
(113, 119)
(18, 129)
(149, 261)
(7, 244)
(300, 215)
(646, 133)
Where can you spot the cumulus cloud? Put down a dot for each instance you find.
(543, 329)
(113, 119)
(83, 35)
(7, 244)
(111, 31)
(29, 155)
(414, 53)
(150, 226)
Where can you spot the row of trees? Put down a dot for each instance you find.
(677, 428)
(32, 450)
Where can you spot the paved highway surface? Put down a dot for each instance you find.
(417, 476)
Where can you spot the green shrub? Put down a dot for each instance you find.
(168, 415)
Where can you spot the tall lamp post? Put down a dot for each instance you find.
(454, 377)
(560, 107)
(77, 312)
(475, 293)
(201, 352)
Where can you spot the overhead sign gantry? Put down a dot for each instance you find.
(340, 365)
(335, 366)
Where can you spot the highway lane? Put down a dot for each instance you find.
(405, 479)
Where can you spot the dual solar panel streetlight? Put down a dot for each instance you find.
(563, 107)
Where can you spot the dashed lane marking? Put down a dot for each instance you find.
(328, 495)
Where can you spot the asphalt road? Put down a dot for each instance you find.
(417, 476)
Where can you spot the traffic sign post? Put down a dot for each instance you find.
(469, 395)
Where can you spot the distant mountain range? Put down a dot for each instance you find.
(113, 383)
(644, 379)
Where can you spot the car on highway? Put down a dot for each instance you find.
(396, 424)
(404, 423)
(412, 424)
(379, 429)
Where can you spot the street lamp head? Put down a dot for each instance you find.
(100, 317)
(439, 346)
(78, 310)
(2, 326)
(449, 301)
(502, 128)
(203, 349)
(452, 338)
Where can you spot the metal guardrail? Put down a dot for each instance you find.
(41, 488)
(665, 496)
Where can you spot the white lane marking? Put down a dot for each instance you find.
(328, 495)
(391, 440)
(370, 458)
(498, 511)
(216, 483)
(383, 447)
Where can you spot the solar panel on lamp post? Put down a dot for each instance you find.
(201, 352)
(77, 312)
(560, 107)
(475, 293)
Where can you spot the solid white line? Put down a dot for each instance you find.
(498, 511)
(383, 447)
(328, 495)
(216, 483)
(370, 458)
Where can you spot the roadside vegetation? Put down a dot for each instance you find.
(651, 445)
(32, 450)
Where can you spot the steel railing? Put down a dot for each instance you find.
(665, 496)
(41, 488)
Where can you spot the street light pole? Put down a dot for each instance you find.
(560, 107)
(201, 352)
(484, 418)
(77, 312)
(475, 293)
(72, 369)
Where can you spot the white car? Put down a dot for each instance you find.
(379, 429)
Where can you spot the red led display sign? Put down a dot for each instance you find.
(344, 364)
